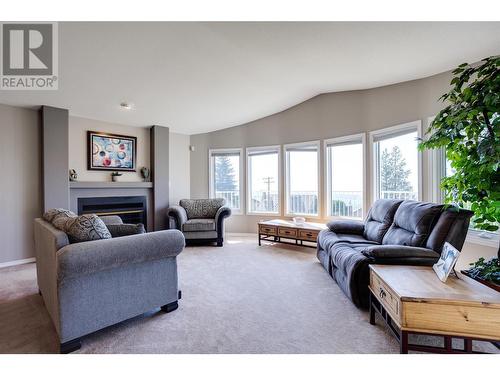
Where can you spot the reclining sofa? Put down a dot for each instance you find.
(87, 286)
(394, 232)
(200, 220)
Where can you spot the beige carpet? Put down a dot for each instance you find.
(241, 298)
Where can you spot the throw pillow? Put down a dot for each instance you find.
(87, 227)
(58, 217)
(120, 230)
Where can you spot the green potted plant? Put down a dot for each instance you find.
(486, 272)
(468, 129)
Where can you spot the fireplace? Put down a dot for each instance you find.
(132, 209)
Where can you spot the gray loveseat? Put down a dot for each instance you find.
(87, 286)
(394, 232)
(201, 220)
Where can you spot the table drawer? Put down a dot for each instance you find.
(309, 235)
(268, 229)
(385, 296)
(287, 232)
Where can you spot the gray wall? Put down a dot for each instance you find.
(322, 117)
(21, 182)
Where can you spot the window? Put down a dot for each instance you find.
(225, 176)
(345, 176)
(263, 180)
(397, 162)
(301, 179)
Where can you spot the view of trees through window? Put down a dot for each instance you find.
(398, 167)
(226, 178)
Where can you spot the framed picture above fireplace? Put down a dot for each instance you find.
(111, 152)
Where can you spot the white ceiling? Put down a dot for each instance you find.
(199, 77)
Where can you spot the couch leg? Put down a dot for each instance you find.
(170, 307)
(220, 242)
(70, 346)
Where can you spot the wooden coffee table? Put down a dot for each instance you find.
(413, 300)
(280, 230)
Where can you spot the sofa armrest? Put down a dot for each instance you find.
(346, 226)
(90, 257)
(222, 213)
(179, 214)
(398, 251)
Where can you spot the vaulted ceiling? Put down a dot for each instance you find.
(199, 77)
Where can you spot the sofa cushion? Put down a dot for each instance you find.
(201, 208)
(87, 227)
(327, 238)
(198, 225)
(413, 223)
(379, 219)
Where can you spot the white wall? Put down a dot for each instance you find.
(179, 167)
(78, 148)
(21, 182)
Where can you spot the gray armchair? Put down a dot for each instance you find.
(200, 220)
(87, 286)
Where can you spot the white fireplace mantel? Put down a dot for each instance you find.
(110, 185)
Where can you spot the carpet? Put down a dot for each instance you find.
(240, 298)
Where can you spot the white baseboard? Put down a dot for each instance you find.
(17, 262)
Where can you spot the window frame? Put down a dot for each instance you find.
(248, 180)
(327, 175)
(286, 176)
(374, 154)
(211, 175)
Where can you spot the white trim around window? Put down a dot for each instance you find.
(257, 151)
(385, 133)
(211, 175)
(350, 139)
(286, 163)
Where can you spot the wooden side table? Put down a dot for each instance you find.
(277, 230)
(413, 300)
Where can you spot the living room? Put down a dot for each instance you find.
(247, 189)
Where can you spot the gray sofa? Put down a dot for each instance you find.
(200, 220)
(394, 232)
(87, 286)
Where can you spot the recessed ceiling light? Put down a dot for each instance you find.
(126, 105)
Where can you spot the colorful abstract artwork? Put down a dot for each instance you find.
(111, 152)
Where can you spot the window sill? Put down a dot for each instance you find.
(483, 238)
(276, 214)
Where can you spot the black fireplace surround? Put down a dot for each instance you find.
(131, 209)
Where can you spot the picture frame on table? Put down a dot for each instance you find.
(446, 262)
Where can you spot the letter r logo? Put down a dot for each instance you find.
(27, 49)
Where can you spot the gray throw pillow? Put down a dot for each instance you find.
(86, 228)
(120, 230)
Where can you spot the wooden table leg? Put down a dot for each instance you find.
(403, 343)
(468, 345)
(259, 239)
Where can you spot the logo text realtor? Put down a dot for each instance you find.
(29, 56)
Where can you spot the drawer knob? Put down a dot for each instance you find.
(308, 234)
(382, 293)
